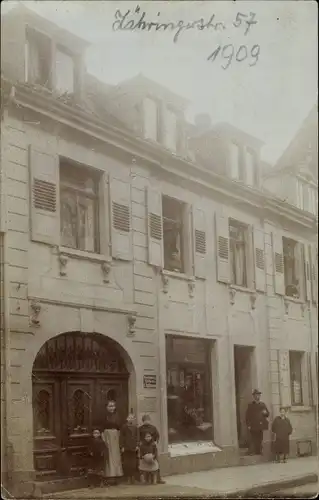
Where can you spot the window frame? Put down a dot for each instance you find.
(185, 251)
(172, 111)
(298, 266)
(80, 193)
(247, 248)
(64, 50)
(301, 355)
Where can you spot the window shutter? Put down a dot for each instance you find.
(278, 264)
(120, 209)
(307, 270)
(154, 227)
(259, 259)
(314, 272)
(199, 242)
(44, 197)
(284, 378)
(222, 248)
(104, 215)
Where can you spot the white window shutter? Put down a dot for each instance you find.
(104, 215)
(44, 197)
(314, 272)
(120, 210)
(284, 378)
(199, 242)
(278, 263)
(307, 270)
(222, 248)
(154, 228)
(259, 259)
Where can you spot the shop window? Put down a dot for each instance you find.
(291, 250)
(174, 234)
(238, 234)
(295, 362)
(189, 394)
(79, 208)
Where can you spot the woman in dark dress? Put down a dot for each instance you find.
(113, 469)
(282, 429)
(129, 441)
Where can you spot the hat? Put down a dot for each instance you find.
(256, 391)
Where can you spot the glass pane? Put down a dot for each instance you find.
(68, 219)
(87, 224)
(64, 72)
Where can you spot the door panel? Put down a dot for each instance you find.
(106, 390)
(46, 423)
(77, 420)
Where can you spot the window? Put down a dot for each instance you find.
(238, 238)
(170, 126)
(40, 68)
(173, 234)
(234, 161)
(38, 59)
(151, 119)
(79, 208)
(291, 250)
(250, 169)
(64, 72)
(189, 394)
(295, 363)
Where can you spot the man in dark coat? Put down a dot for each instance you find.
(256, 421)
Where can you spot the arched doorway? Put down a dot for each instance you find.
(73, 376)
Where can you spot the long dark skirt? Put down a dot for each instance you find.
(129, 461)
(281, 446)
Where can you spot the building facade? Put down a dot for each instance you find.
(141, 260)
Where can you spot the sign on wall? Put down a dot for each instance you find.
(148, 405)
(149, 381)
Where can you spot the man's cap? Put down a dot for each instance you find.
(256, 391)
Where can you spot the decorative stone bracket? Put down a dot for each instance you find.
(232, 295)
(253, 298)
(191, 288)
(35, 311)
(106, 269)
(165, 281)
(131, 320)
(63, 260)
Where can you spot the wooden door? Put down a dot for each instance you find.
(77, 410)
(47, 424)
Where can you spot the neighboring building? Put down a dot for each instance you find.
(135, 268)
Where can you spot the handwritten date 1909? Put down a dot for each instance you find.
(228, 52)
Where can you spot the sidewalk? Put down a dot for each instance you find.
(225, 482)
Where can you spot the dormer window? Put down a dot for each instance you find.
(235, 162)
(38, 59)
(170, 130)
(64, 79)
(250, 168)
(48, 65)
(151, 119)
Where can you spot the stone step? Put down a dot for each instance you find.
(62, 484)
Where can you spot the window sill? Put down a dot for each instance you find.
(300, 408)
(80, 254)
(176, 274)
(192, 448)
(243, 289)
(293, 299)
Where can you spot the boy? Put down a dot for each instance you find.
(129, 441)
(148, 427)
(98, 456)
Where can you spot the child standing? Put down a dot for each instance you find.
(148, 464)
(98, 457)
(148, 427)
(129, 440)
(282, 429)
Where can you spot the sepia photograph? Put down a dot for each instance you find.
(159, 249)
